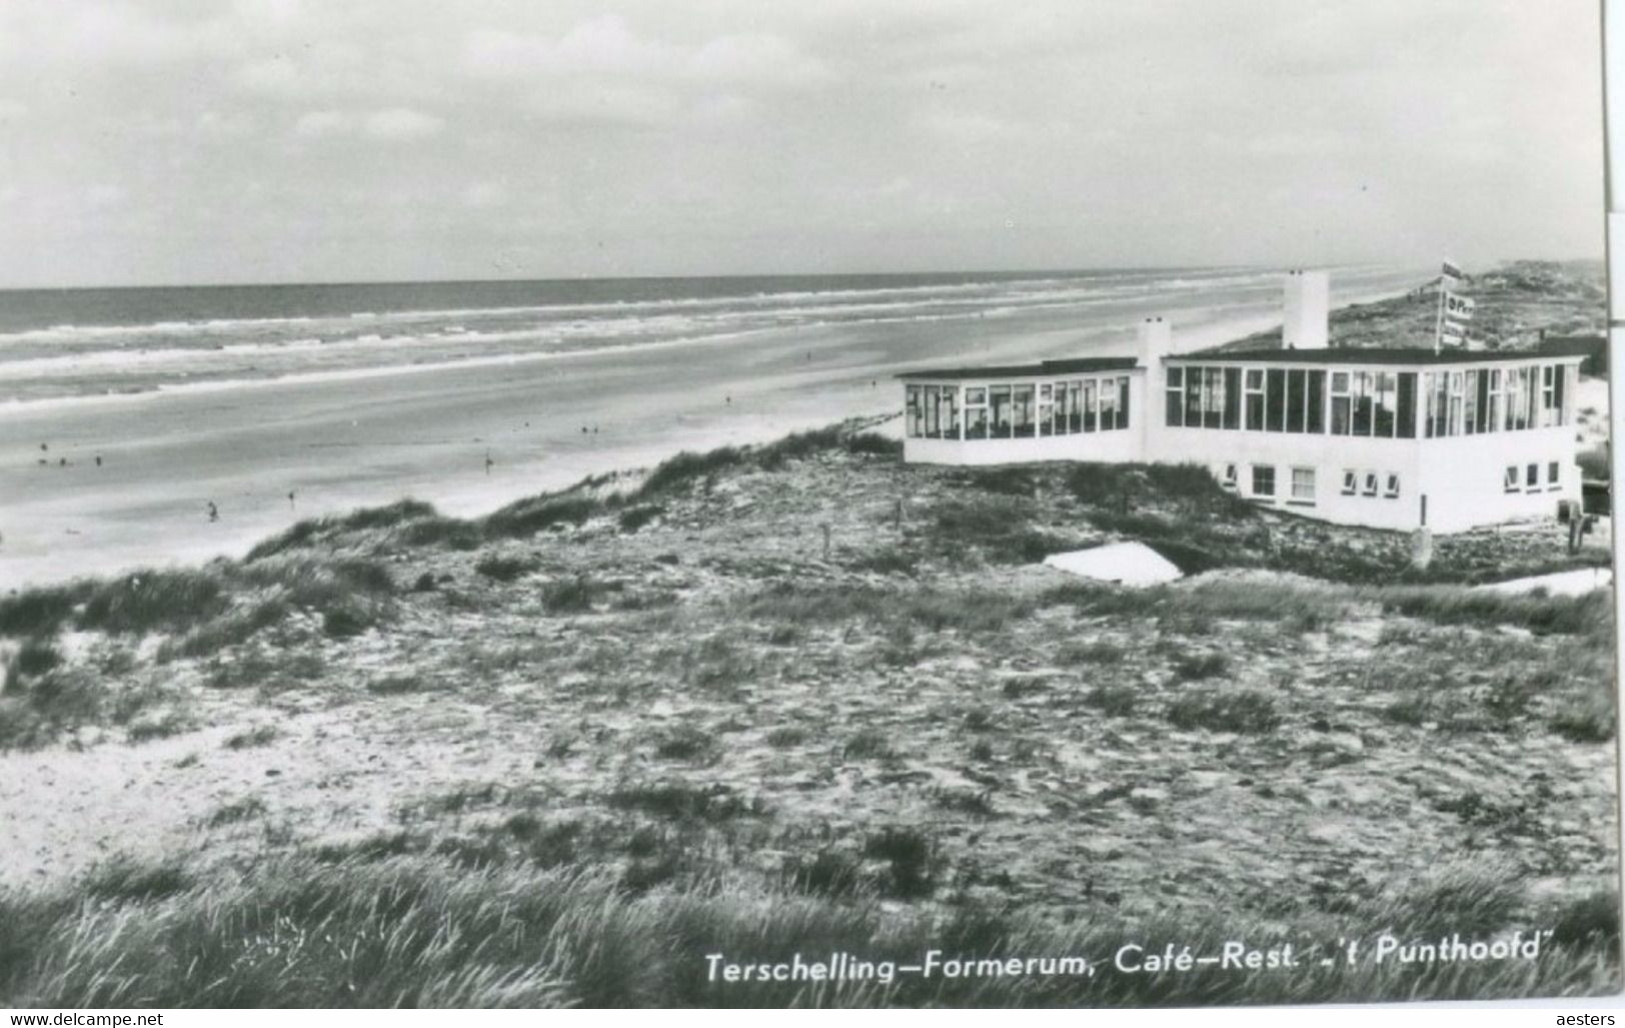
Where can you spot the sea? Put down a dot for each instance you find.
(65, 343)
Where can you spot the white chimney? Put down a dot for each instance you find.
(1305, 311)
(1156, 339)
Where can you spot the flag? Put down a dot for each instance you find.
(1451, 271)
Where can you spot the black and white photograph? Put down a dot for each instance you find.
(891, 504)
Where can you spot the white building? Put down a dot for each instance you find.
(1389, 438)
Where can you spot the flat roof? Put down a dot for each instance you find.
(1376, 355)
(1077, 366)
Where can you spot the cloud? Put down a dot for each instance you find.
(389, 125)
(401, 124)
(757, 57)
(485, 194)
(317, 124)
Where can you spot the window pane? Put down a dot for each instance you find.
(1089, 405)
(1275, 400)
(1296, 379)
(1074, 414)
(1122, 402)
(1021, 416)
(1361, 388)
(1213, 398)
(1386, 401)
(975, 422)
(1263, 480)
(1303, 484)
(1315, 412)
(999, 399)
(916, 415)
(1406, 415)
(1232, 397)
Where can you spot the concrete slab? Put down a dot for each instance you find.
(1133, 564)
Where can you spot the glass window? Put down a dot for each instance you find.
(1061, 394)
(1361, 387)
(1046, 391)
(1231, 475)
(1108, 404)
(1551, 475)
(949, 413)
(1406, 413)
(915, 412)
(1046, 418)
(975, 396)
(1390, 488)
(1532, 476)
(1089, 408)
(1509, 481)
(998, 399)
(1212, 397)
(1074, 392)
(1021, 410)
(1342, 409)
(1193, 397)
(1470, 419)
(1351, 482)
(1303, 485)
(1387, 403)
(975, 422)
(1370, 484)
(1315, 410)
(1255, 399)
(1458, 390)
(1492, 419)
(1232, 397)
(1122, 402)
(1275, 400)
(933, 410)
(1296, 382)
(1263, 480)
(1175, 414)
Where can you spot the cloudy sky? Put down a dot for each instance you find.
(278, 140)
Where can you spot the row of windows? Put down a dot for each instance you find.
(1300, 489)
(1528, 479)
(1380, 404)
(1018, 411)
(1496, 399)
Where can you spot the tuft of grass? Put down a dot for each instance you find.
(1113, 700)
(34, 658)
(504, 569)
(570, 595)
(529, 516)
(150, 600)
(1247, 711)
(868, 744)
(237, 811)
(42, 611)
(263, 735)
(1193, 667)
(633, 518)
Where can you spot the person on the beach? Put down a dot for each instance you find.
(98, 460)
(488, 463)
(214, 512)
(290, 499)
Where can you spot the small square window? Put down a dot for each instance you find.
(1391, 487)
(1232, 474)
(1303, 485)
(975, 397)
(1263, 480)
(1351, 483)
(1370, 484)
(1176, 377)
(1509, 481)
(1340, 381)
(1046, 391)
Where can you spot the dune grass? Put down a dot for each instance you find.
(392, 926)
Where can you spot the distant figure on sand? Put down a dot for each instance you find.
(98, 460)
(290, 499)
(214, 512)
(43, 447)
(489, 461)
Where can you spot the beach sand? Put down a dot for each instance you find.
(341, 441)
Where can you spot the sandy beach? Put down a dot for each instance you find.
(337, 440)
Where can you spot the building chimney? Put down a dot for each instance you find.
(1156, 338)
(1305, 311)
